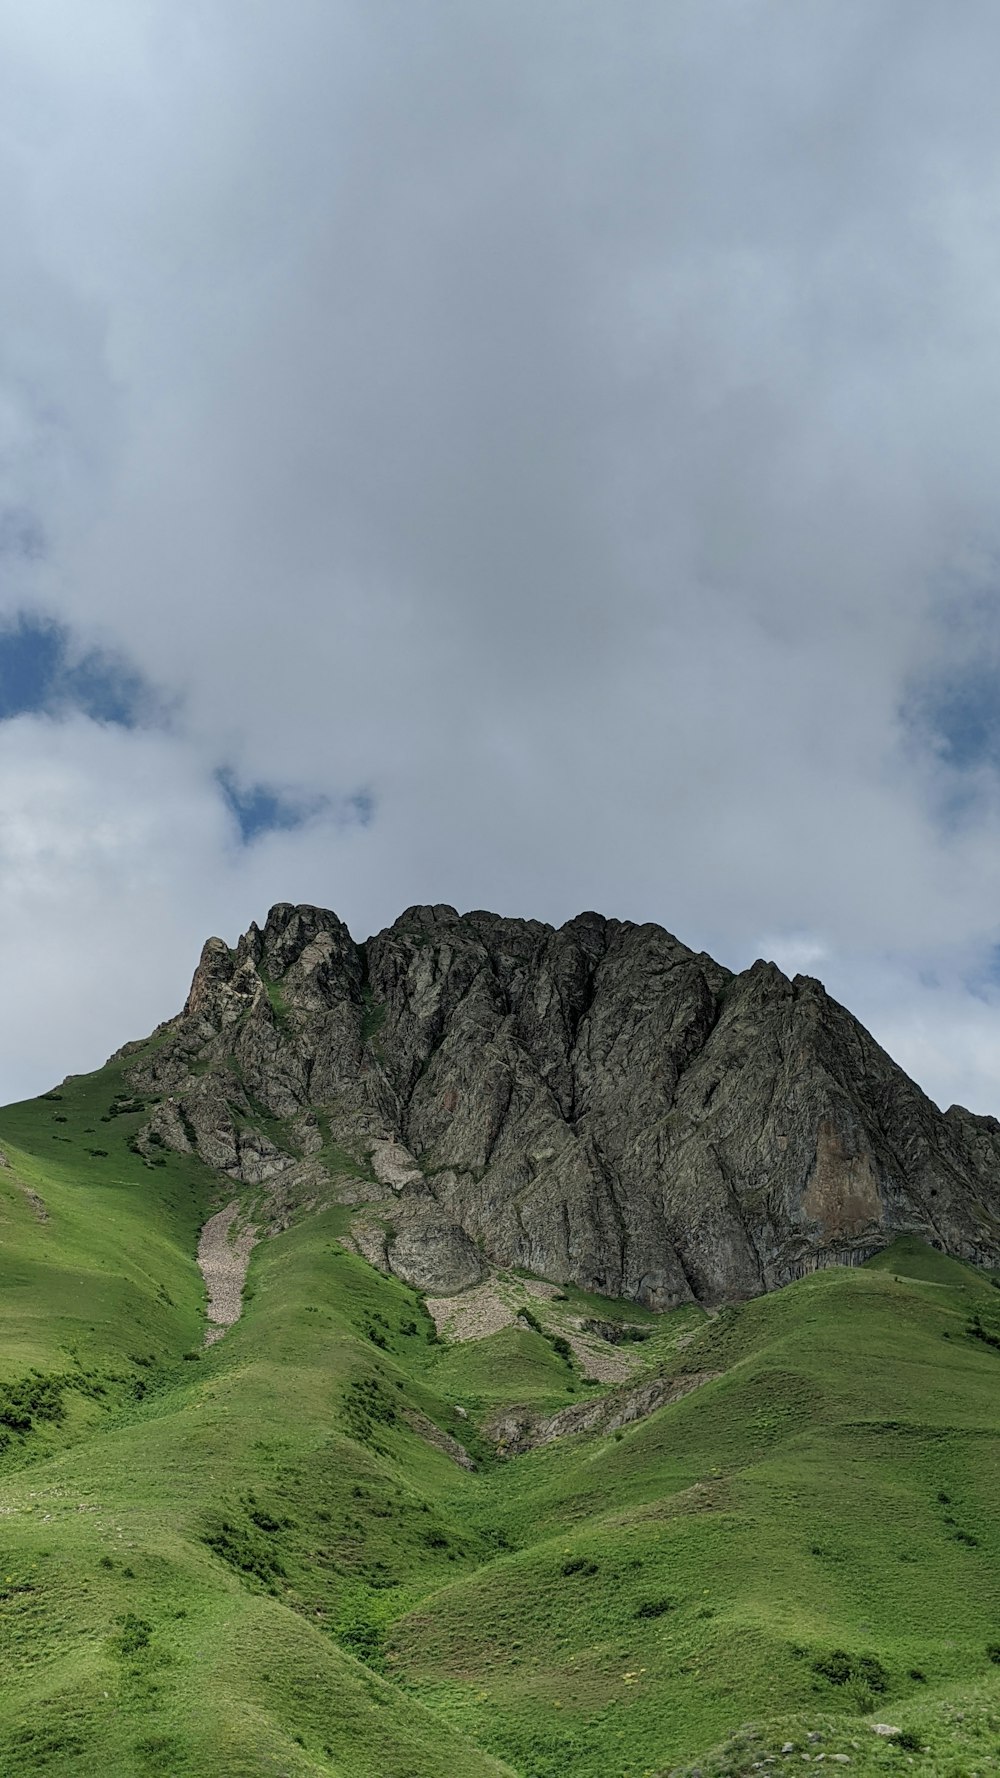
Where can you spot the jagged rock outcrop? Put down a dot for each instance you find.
(596, 1103)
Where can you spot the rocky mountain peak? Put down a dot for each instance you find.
(595, 1102)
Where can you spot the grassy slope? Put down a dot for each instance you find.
(256, 1563)
(130, 1644)
(789, 1509)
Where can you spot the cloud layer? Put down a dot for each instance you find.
(567, 437)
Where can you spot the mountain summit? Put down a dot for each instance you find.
(596, 1103)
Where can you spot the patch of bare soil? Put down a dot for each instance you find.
(484, 1310)
(435, 1435)
(516, 1431)
(600, 1360)
(223, 1255)
(473, 1314)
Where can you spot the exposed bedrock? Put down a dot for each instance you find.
(596, 1103)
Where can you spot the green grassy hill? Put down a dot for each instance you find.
(264, 1557)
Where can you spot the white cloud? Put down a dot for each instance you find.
(562, 425)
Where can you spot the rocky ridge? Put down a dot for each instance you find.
(595, 1103)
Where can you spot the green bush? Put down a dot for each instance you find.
(134, 1635)
(245, 1550)
(840, 1668)
(909, 1741)
(363, 1640)
(986, 1336)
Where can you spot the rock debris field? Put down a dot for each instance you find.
(484, 1310)
(223, 1256)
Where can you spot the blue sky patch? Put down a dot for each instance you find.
(41, 672)
(953, 706)
(962, 713)
(261, 808)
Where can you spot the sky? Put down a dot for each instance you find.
(534, 455)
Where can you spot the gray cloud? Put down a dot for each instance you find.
(573, 427)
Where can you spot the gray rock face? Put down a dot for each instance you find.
(595, 1103)
(515, 1432)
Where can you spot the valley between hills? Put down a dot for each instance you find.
(497, 1351)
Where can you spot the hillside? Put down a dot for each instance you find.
(310, 1547)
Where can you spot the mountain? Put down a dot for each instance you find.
(270, 1510)
(595, 1103)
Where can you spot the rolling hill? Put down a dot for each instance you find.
(390, 1522)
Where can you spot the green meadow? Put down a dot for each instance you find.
(263, 1557)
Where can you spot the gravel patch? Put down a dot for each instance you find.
(597, 1359)
(484, 1310)
(473, 1314)
(223, 1256)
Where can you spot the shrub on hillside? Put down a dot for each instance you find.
(909, 1741)
(243, 1548)
(579, 1565)
(840, 1668)
(363, 1640)
(985, 1335)
(133, 1636)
